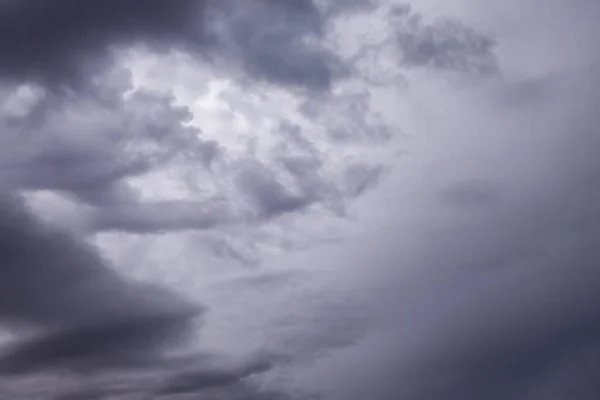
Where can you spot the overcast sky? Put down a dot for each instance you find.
(399, 199)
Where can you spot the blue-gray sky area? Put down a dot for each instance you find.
(289, 199)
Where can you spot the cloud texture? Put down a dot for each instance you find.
(73, 123)
(484, 266)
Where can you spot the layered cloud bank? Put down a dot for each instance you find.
(441, 152)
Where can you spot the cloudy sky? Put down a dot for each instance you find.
(396, 200)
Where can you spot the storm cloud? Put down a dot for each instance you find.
(66, 41)
(73, 123)
(485, 278)
(53, 284)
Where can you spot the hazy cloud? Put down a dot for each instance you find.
(446, 45)
(74, 123)
(496, 298)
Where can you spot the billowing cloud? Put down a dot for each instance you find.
(73, 123)
(88, 142)
(484, 323)
(73, 40)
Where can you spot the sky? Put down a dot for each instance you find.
(344, 199)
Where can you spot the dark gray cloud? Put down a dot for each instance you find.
(89, 144)
(73, 124)
(407, 40)
(100, 345)
(62, 292)
(277, 51)
(446, 45)
(89, 139)
(159, 217)
(269, 195)
(196, 376)
(71, 312)
(346, 7)
(67, 41)
(500, 334)
(201, 377)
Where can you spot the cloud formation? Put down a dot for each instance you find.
(445, 44)
(53, 284)
(490, 287)
(74, 123)
(72, 40)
